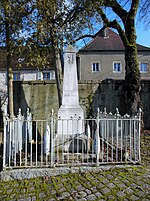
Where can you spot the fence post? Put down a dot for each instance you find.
(117, 132)
(140, 113)
(4, 145)
(52, 139)
(97, 138)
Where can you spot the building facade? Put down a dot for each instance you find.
(103, 58)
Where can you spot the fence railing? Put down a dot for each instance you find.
(40, 143)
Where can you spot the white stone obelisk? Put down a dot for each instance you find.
(70, 114)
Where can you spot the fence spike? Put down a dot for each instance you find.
(19, 111)
(27, 111)
(117, 111)
(52, 112)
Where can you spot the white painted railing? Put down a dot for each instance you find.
(37, 143)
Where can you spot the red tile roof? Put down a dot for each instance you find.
(108, 40)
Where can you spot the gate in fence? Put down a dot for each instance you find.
(37, 143)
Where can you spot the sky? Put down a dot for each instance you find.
(143, 35)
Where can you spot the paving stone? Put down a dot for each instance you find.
(105, 181)
(72, 190)
(80, 187)
(98, 194)
(53, 192)
(110, 185)
(133, 197)
(100, 185)
(101, 176)
(41, 195)
(146, 186)
(82, 199)
(140, 194)
(12, 195)
(110, 197)
(109, 176)
(77, 195)
(25, 199)
(64, 195)
(88, 191)
(121, 194)
(105, 190)
(91, 197)
(88, 184)
(94, 189)
(32, 188)
(134, 185)
(125, 181)
(128, 190)
(62, 189)
(9, 191)
(33, 198)
(94, 180)
(83, 194)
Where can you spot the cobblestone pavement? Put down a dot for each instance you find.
(131, 183)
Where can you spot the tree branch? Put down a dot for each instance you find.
(113, 24)
(134, 7)
(116, 7)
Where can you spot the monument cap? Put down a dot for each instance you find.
(70, 49)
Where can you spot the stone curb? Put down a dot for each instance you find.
(28, 173)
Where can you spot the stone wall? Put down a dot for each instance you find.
(41, 97)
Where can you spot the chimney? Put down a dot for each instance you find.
(105, 33)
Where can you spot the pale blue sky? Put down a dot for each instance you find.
(143, 35)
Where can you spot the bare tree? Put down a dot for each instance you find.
(127, 31)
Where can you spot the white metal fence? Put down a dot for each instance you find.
(37, 143)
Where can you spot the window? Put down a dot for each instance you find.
(16, 76)
(143, 67)
(95, 66)
(117, 67)
(46, 75)
(52, 75)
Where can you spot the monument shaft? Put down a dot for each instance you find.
(70, 109)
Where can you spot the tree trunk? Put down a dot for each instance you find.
(10, 92)
(58, 72)
(58, 66)
(132, 73)
(10, 108)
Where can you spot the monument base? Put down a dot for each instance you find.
(70, 121)
(74, 144)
